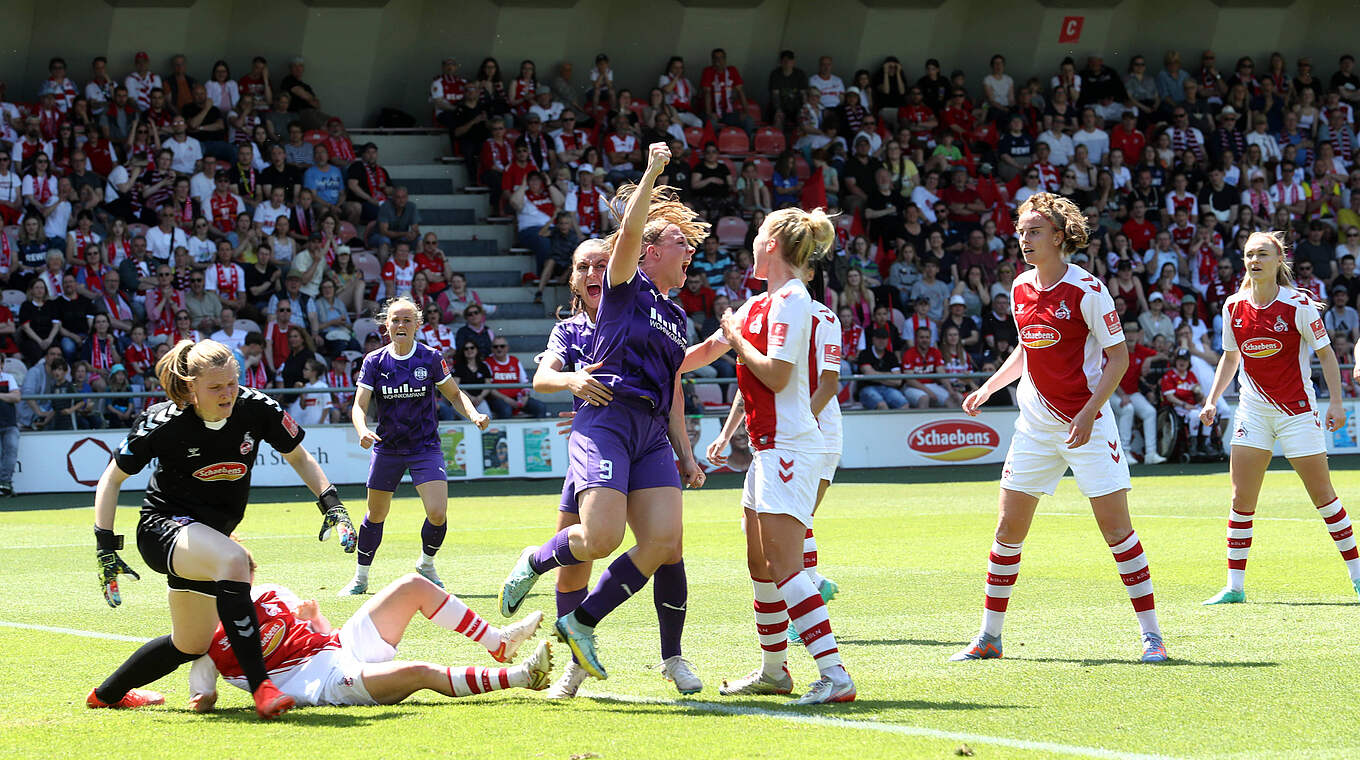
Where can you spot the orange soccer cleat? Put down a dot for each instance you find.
(133, 699)
(270, 703)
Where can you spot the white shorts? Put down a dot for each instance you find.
(830, 463)
(333, 676)
(1039, 456)
(1299, 435)
(783, 483)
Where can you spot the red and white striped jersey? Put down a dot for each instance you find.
(398, 278)
(228, 280)
(824, 354)
(779, 325)
(285, 641)
(1275, 341)
(438, 337)
(1064, 330)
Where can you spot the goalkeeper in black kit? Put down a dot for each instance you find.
(205, 440)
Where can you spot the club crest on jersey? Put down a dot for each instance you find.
(1062, 312)
(1260, 348)
(1280, 325)
(420, 373)
(1039, 336)
(757, 324)
(247, 443)
(778, 332)
(221, 471)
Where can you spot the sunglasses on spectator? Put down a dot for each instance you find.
(500, 345)
(469, 348)
(162, 274)
(195, 279)
(1031, 176)
(1352, 234)
(475, 311)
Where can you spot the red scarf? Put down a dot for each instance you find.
(543, 202)
(377, 180)
(186, 214)
(117, 251)
(223, 211)
(41, 190)
(340, 148)
(303, 220)
(6, 252)
(48, 121)
(500, 154)
(228, 281)
(256, 377)
(588, 209)
(118, 308)
(103, 352)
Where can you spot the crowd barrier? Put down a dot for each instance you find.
(536, 448)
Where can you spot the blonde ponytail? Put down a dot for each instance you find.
(803, 236)
(1284, 275)
(186, 361)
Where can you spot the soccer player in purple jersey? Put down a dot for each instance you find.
(622, 470)
(403, 377)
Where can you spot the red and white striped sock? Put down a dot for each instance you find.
(1132, 564)
(772, 625)
(1339, 525)
(1003, 565)
(810, 558)
(465, 682)
(807, 612)
(1239, 544)
(455, 616)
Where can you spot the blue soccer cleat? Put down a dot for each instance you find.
(828, 589)
(1356, 583)
(581, 640)
(1228, 595)
(1153, 648)
(984, 647)
(518, 583)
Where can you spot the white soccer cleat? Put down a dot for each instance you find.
(826, 691)
(756, 682)
(429, 573)
(566, 685)
(1153, 457)
(539, 666)
(355, 587)
(515, 634)
(681, 672)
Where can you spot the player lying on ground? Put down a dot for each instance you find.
(204, 441)
(1070, 358)
(1270, 328)
(404, 379)
(316, 664)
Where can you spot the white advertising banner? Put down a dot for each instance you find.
(73, 461)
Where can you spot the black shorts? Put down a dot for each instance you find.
(156, 535)
(368, 212)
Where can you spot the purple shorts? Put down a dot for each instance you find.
(568, 498)
(386, 469)
(622, 446)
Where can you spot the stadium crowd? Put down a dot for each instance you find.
(158, 207)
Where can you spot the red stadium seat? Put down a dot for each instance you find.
(731, 231)
(769, 141)
(314, 136)
(347, 232)
(803, 169)
(764, 168)
(694, 136)
(636, 108)
(512, 135)
(731, 167)
(754, 110)
(733, 141)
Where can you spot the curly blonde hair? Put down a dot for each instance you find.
(1065, 216)
(664, 208)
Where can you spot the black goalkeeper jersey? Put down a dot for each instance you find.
(203, 473)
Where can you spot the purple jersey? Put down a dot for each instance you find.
(640, 339)
(404, 389)
(569, 342)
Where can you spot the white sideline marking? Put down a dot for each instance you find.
(74, 632)
(818, 720)
(1220, 518)
(887, 728)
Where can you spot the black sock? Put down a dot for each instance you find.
(156, 659)
(237, 613)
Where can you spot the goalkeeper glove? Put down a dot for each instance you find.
(334, 517)
(110, 564)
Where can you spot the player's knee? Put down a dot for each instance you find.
(601, 543)
(437, 514)
(234, 566)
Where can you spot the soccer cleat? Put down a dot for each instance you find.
(680, 671)
(429, 573)
(828, 590)
(270, 703)
(515, 634)
(794, 638)
(568, 682)
(133, 699)
(984, 647)
(518, 583)
(539, 666)
(1356, 583)
(1153, 457)
(581, 640)
(1228, 595)
(756, 682)
(1153, 648)
(355, 587)
(826, 691)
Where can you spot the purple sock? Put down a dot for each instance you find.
(621, 580)
(370, 535)
(670, 592)
(432, 537)
(555, 553)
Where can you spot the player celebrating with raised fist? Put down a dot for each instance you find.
(404, 377)
(204, 440)
(1270, 328)
(623, 455)
(1071, 356)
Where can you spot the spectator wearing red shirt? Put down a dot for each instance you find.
(507, 369)
(1127, 137)
(1138, 229)
(696, 298)
(1129, 402)
(965, 205)
(724, 95)
(1181, 390)
(957, 117)
(923, 359)
(256, 84)
(1222, 286)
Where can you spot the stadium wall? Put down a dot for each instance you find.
(535, 449)
(366, 54)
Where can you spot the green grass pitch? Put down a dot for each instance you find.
(1275, 677)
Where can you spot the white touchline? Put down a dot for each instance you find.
(887, 728)
(74, 632)
(1218, 518)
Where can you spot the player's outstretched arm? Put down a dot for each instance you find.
(333, 514)
(716, 451)
(690, 472)
(106, 543)
(462, 403)
(623, 258)
(1227, 367)
(705, 353)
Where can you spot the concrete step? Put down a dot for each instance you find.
(494, 278)
(425, 186)
(502, 263)
(476, 201)
(398, 149)
(446, 216)
(503, 234)
(539, 326)
(465, 248)
(422, 169)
